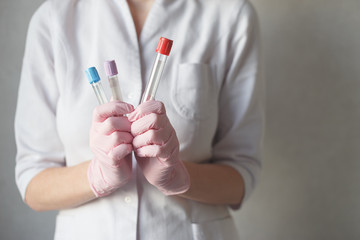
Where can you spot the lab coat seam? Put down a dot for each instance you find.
(66, 56)
(250, 31)
(55, 28)
(236, 11)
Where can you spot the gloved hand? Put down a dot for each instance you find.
(156, 148)
(111, 143)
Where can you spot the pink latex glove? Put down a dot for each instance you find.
(156, 148)
(111, 143)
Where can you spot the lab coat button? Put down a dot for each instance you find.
(127, 199)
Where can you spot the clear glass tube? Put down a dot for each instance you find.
(115, 87)
(99, 92)
(156, 72)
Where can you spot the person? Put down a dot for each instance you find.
(171, 168)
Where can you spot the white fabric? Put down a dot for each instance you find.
(210, 87)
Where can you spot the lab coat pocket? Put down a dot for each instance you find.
(220, 229)
(194, 91)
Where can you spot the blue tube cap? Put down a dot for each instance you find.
(92, 75)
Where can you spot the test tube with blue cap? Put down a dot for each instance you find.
(112, 72)
(94, 80)
(163, 50)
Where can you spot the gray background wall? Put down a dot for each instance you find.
(310, 183)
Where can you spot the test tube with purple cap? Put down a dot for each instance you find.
(112, 72)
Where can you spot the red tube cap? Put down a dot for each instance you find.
(164, 46)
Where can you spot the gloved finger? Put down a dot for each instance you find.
(112, 158)
(164, 152)
(150, 121)
(146, 108)
(117, 138)
(113, 124)
(152, 137)
(110, 109)
(108, 142)
(150, 152)
(119, 153)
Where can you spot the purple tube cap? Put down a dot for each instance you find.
(110, 68)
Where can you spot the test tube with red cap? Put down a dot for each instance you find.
(111, 72)
(163, 50)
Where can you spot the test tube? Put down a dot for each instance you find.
(163, 50)
(111, 72)
(95, 82)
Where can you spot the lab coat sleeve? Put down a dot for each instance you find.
(239, 135)
(37, 140)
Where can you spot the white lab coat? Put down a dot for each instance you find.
(210, 87)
